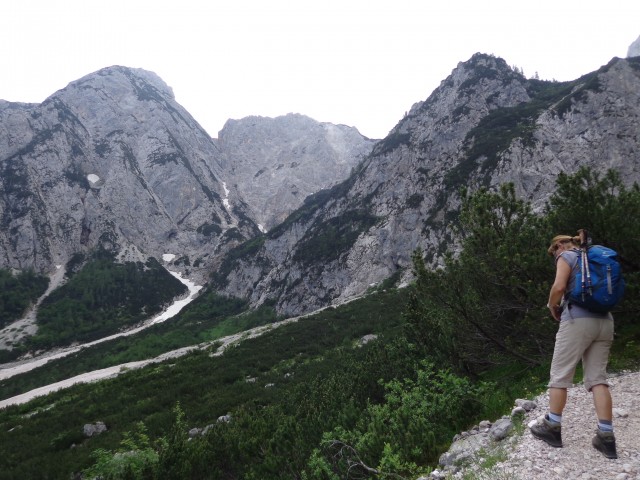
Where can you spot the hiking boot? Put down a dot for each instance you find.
(605, 442)
(549, 432)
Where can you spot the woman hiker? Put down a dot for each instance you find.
(582, 335)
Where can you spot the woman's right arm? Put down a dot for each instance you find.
(563, 271)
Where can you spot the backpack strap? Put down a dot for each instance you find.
(574, 265)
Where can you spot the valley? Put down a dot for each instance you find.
(345, 305)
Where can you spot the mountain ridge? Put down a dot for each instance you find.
(484, 125)
(497, 126)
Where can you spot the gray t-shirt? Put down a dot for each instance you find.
(575, 311)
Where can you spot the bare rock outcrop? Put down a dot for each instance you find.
(110, 161)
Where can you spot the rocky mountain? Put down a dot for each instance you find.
(484, 125)
(275, 163)
(113, 161)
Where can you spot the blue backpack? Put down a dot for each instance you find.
(599, 284)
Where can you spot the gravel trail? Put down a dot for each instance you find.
(531, 459)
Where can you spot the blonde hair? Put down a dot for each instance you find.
(562, 239)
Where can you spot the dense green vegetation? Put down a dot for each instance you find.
(495, 288)
(101, 298)
(487, 306)
(309, 401)
(206, 387)
(18, 292)
(320, 377)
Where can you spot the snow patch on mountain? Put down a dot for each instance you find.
(93, 178)
(225, 200)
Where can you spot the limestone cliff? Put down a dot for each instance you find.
(113, 161)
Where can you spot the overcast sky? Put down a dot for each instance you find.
(361, 63)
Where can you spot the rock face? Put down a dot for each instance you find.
(277, 162)
(484, 125)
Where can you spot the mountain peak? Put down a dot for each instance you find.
(280, 161)
(112, 161)
(119, 79)
(485, 125)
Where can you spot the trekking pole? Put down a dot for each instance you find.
(586, 273)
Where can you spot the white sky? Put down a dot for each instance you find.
(361, 63)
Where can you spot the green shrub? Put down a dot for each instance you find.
(404, 433)
(18, 292)
(135, 459)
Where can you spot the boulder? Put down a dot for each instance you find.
(91, 429)
(528, 405)
(501, 429)
(464, 449)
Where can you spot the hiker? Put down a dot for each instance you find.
(582, 335)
